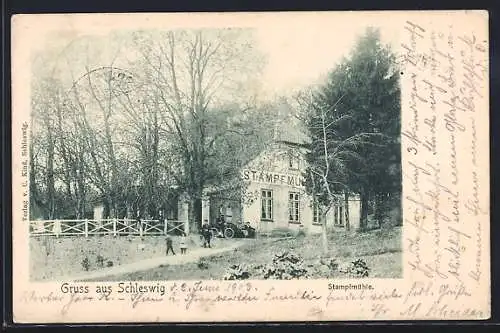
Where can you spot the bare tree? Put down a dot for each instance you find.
(95, 95)
(329, 153)
(128, 136)
(192, 73)
(45, 105)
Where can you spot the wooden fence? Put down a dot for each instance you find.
(115, 227)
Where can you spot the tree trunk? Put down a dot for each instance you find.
(50, 177)
(324, 234)
(379, 209)
(346, 211)
(81, 196)
(106, 207)
(34, 193)
(363, 223)
(194, 215)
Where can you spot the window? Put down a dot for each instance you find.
(339, 216)
(294, 207)
(267, 205)
(293, 161)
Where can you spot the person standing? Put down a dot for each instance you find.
(170, 247)
(203, 232)
(207, 235)
(183, 244)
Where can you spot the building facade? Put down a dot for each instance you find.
(275, 196)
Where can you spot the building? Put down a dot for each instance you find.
(275, 196)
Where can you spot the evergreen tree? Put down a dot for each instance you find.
(361, 104)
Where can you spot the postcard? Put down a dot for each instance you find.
(250, 167)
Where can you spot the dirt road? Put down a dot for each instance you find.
(192, 256)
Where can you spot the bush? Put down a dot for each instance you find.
(324, 267)
(202, 263)
(109, 263)
(285, 266)
(237, 272)
(331, 263)
(356, 269)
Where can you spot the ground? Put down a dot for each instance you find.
(59, 258)
(380, 249)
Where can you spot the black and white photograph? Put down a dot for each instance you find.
(240, 166)
(193, 154)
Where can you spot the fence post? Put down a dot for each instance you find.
(114, 227)
(165, 227)
(86, 228)
(57, 228)
(140, 228)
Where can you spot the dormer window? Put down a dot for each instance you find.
(293, 161)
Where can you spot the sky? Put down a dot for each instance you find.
(303, 55)
(300, 49)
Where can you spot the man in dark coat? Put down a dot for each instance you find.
(170, 247)
(207, 235)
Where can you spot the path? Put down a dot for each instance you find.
(143, 265)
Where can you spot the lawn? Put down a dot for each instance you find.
(380, 249)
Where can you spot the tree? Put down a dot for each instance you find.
(374, 93)
(174, 118)
(328, 152)
(354, 121)
(192, 75)
(45, 142)
(93, 115)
